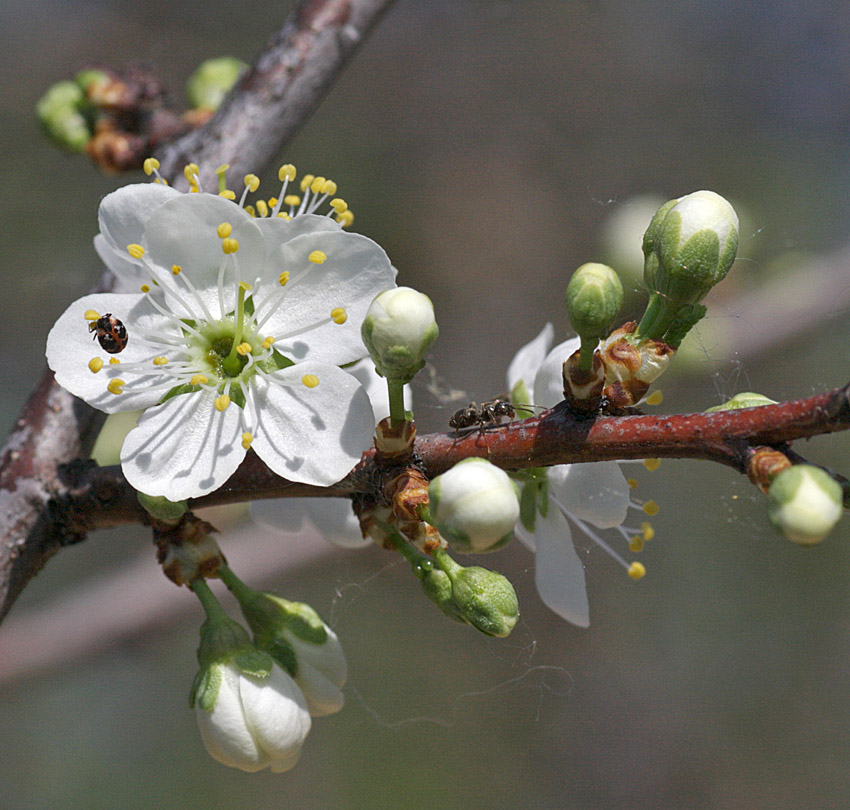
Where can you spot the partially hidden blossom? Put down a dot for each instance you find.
(552, 499)
(237, 321)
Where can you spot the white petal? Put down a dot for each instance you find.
(183, 232)
(549, 382)
(559, 572)
(184, 448)
(129, 273)
(596, 492)
(355, 271)
(312, 435)
(529, 358)
(277, 230)
(70, 347)
(332, 517)
(123, 213)
(327, 657)
(322, 695)
(376, 388)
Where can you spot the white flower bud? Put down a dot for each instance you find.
(398, 330)
(804, 503)
(474, 505)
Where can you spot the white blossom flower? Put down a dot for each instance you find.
(256, 722)
(236, 327)
(584, 495)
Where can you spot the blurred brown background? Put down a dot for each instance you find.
(486, 146)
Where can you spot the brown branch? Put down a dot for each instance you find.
(277, 94)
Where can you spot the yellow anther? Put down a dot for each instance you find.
(655, 398)
(145, 288)
(272, 202)
(339, 315)
(191, 174)
(198, 379)
(317, 257)
(244, 285)
(650, 508)
(91, 315)
(310, 380)
(176, 269)
(229, 245)
(292, 199)
(221, 173)
(262, 208)
(150, 166)
(345, 218)
(306, 180)
(328, 187)
(95, 365)
(317, 184)
(286, 172)
(244, 348)
(648, 531)
(227, 194)
(283, 278)
(636, 544)
(247, 438)
(637, 570)
(338, 204)
(136, 251)
(284, 215)
(221, 403)
(160, 360)
(632, 482)
(267, 343)
(250, 210)
(114, 361)
(161, 181)
(224, 230)
(252, 182)
(652, 464)
(115, 386)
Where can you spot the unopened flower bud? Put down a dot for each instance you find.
(474, 505)
(212, 81)
(746, 399)
(804, 503)
(398, 331)
(594, 297)
(58, 111)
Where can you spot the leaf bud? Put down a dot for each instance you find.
(746, 399)
(59, 113)
(212, 81)
(804, 503)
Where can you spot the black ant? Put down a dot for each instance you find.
(490, 414)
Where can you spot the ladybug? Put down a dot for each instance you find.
(110, 333)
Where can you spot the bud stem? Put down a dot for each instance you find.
(395, 389)
(212, 607)
(585, 359)
(658, 316)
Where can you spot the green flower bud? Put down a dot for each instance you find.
(159, 507)
(398, 331)
(746, 399)
(594, 297)
(804, 503)
(58, 111)
(474, 505)
(212, 81)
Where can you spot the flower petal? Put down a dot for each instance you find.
(322, 695)
(277, 230)
(549, 381)
(129, 273)
(596, 492)
(559, 572)
(333, 517)
(376, 388)
(183, 448)
(529, 358)
(354, 271)
(312, 435)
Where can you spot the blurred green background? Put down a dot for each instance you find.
(487, 146)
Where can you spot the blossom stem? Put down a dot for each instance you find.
(657, 317)
(396, 393)
(585, 359)
(212, 607)
(235, 585)
(401, 544)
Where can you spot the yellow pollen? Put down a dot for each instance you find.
(221, 403)
(191, 174)
(632, 482)
(636, 544)
(292, 199)
(150, 166)
(272, 202)
(160, 360)
(655, 398)
(648, 531)
(91, 315)
(114, 361)
(284, 215)
(652, 464)
(650, 508)
(244, 285)
(637, 570)
(345, 218)
(224, 230)
(176, 269)
(145, 288)
(267, 343)
(339, 205)
(198, 379)
(247, 438)
(136, 251)
(310, 380)
(283, 278)
(339, 315)
(328, 187)
(286, 172)
(249, 209)
(227, 194)
(95, 365)
(262, 208)
(161, 181)
(317, 257)
(229, 245)
(306, 180)
(317, 184)
(252, 182)
(244, 348)
(115, 386)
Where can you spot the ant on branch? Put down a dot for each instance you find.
(489, 414)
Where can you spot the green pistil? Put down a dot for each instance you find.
(233, 363)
